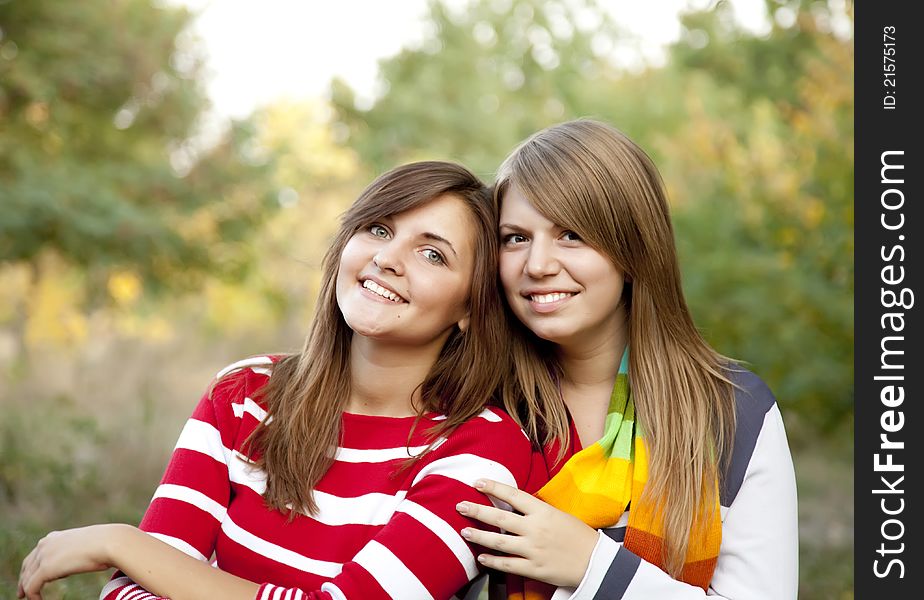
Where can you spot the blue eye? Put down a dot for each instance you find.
(378, 230)
(433, 256)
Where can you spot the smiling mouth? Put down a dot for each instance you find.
(550, 298)
(382, 292)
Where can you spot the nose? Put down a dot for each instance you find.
(388, 259)
(541, 261)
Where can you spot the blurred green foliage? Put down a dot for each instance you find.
(100, 101)
(109, 193)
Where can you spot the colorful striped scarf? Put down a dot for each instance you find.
(599, 482)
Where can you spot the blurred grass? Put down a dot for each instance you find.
(88, 443)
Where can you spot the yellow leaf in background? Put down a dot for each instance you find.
(814, 212)
(54, 311)
(124, 287)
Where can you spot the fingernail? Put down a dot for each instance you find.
(481, 483)
(481, 558)
(462, 507)
(466, 533)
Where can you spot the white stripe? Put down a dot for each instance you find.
(242, 471)
(191, 496)
(181, 545)
(112, 585)
(267, 590)
(278, 553)
(248, 406)
(335, 592)
(203, 437)
(468, 468)
(355, 455)
(136, 594)
(368, 509)
(487, 414)
(390, 573)
(490, 415)
(445, 532)
(252, 363)
(131, 588)
(277, 595)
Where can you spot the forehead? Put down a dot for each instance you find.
(446, 216)
(517, 209)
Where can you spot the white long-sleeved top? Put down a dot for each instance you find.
(759, 557)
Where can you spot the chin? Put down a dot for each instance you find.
(550, 332)
(366, 327)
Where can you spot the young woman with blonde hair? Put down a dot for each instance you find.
(334, 472)
(678, 482)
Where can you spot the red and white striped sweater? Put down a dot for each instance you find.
(380, 532)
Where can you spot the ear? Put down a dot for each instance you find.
(464, 321)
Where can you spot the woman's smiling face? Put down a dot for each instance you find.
(562, 289)
(406, 279)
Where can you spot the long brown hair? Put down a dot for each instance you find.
(307, 392)
(588, 176)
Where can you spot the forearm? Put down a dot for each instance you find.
(166, 571)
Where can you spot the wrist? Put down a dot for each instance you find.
(115, 538)
(584, 556)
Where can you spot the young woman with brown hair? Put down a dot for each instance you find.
(334, 473)
(678, 482)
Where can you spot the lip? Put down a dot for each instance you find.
(546, 307)
(374, 296)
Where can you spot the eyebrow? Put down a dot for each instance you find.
(436, 238)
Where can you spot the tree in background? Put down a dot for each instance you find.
(752, 133)
(99, 167)
(763, 188)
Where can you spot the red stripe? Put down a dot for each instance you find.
(181, 520)
(356, 582)
(438, 568)
(200, 472)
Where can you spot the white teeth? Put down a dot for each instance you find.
(377, 289)
(548, 298)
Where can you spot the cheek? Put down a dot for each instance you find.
(350, 265)
(609, 283)
(447, 297)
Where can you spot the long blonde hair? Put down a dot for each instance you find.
(307, 392)
(588, 176)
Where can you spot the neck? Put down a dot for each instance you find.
(589, 371)
(592, 364)
(385, 379)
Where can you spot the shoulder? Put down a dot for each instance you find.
(752, 395)
(493, 429)
(241, 380)
(490, 439)
(232, 403)
(756, 412)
